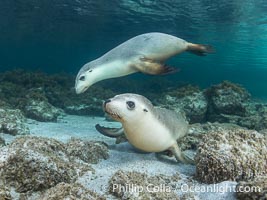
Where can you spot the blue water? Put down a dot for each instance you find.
(62, 35)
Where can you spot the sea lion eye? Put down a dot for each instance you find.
(90, 70)
(130, 105)
(82, 78)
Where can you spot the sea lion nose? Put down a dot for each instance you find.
(107, 101)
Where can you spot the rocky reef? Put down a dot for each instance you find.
(34, 167)
(42, 111)
(236, 155)
(33, 164)
(197, 132)
(227, 98)
(5, 193)
(2, 142)
(225, 103)
(13, 122)
(230, 103)
(253, 189)
(42, 165)
(87, 151)
(141, 186)
(70, 191)
(228, 133)
(189, 99)
(43, 97)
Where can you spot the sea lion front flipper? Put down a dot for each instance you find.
(153, 67)
(110, 132)
(175, 149)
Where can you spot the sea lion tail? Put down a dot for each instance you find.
(200, 49)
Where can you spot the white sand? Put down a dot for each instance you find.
(123, 157)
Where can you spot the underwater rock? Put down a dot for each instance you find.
(190, 100)
(253, 189)
(236, 155)
(226, 98)
(21, 88)
(230, 103)
(2, 142)
(35, 164)
(264, 132)
(183, 91)
(255, 117)
(13, 122)
(140, 186)
(85, 109)
(5, 193)
(87, 151)
(3, 104)
(42, 111)
(197, 131)
(70, 191)
(88, 103)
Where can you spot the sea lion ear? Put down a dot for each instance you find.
(145, 110)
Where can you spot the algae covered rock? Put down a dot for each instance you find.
(236, 155)
(227, 98)
(36, 92)
(70, 191)
(255, 189)
(2, 142)
(195, 106)
(42, 111)
(13, 122)
(254, 116)
(35, 164)
(264, 132)
(88, 103)
(87, 151)
(197, 131)
(140, 186)
(5, 193)
(190, 100)
(3, 104)
(93, 109)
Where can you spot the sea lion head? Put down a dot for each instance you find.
(127, 107)
(87, 76)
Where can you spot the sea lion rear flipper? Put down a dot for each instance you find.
(200, 49)
(110, 132)
(175, 149)
(150, 66)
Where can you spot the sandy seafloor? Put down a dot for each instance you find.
(122, 157)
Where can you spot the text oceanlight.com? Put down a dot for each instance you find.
(134, 188)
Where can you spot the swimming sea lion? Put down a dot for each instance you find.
(144, 53)
(146, 127)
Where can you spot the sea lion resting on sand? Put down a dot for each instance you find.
(146, 127)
